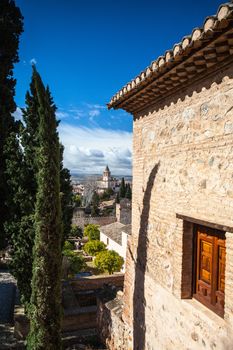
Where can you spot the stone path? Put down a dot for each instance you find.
(7, 297)
(7, 300)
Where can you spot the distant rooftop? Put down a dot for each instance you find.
(114, 231)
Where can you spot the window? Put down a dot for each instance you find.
(209, 267)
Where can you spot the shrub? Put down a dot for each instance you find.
(76, 261)
(92, 232)
(68, 246)
(109, 260)
(77, 200)
(94, 247)
(76, 231)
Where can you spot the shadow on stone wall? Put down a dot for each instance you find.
(140, 268)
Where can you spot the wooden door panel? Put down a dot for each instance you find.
(221, 268)
(206, 261)
(210, 268)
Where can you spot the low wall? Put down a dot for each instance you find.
(80, 318)
(113, 332)
(97, 282)
(98, 220)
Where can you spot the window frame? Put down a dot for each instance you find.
(215, 234)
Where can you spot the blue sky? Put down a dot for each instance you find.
(86, 50)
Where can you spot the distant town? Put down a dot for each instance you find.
(96, 195)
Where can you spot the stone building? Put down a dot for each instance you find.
(124, 211)
(178, 291)
(115, 236)
(107, 181)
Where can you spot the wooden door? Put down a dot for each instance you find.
(210, 258)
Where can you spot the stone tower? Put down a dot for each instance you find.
(107, 178)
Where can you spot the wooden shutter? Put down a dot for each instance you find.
(209, 263)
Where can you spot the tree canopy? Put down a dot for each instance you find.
(92, 232)
(109, 260)
(94, 247)
(45, 307)
(11, 27)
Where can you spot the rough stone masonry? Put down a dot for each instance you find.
(182, 106)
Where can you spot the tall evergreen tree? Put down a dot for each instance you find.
(122, 188)
(21, 227)
(45, 313)
(117, 198)
(22, 179)
(128, 192)
(11, 26)
(66, 197)
(19, 224)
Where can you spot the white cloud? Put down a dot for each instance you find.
(94, 113)
(95, 106)
(62, 115)
(33, 61)
(89, 150)
(18, 114)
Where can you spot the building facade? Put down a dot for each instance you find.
(178, 291)
(107, 181)
(115, 236)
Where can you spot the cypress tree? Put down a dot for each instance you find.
(21, 227)
(117, 198)
(128, 193)
(66, 197)
(45, 313)
(22, 179)
(122, 188)
(11, 26)
(18, 227)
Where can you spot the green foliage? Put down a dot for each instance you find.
(128, 193)
(22, 235)
(95, 203)
(92, 232)
(109, 260)
(106, 195)
(76, 261)
(66, 193)
(21, 174)
(68, 246)
(11, 26)
(94, 210)
(45, 307)
(95, 199)
(76, 231)
(77, 200)
(94, 247)
(122, 188)
(118, 198)
(19, 226)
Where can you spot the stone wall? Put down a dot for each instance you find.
(98, 220)
(97, 282)
(182, 163)
(109, 318)
(124, 211)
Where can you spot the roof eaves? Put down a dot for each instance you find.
(212, 24)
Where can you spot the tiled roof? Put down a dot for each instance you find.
(192, 49)
(114, 231)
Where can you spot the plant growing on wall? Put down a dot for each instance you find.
(109, 261)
